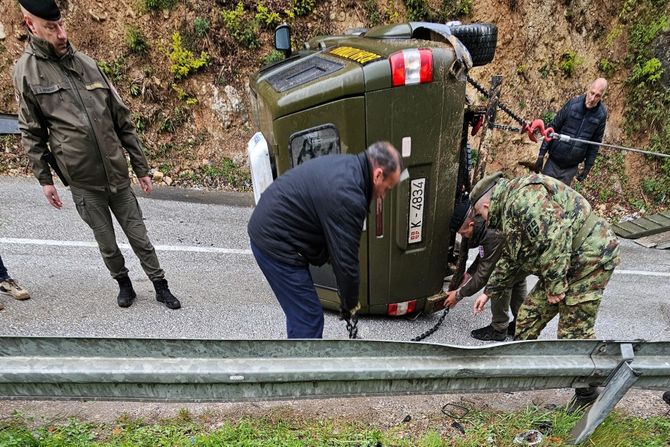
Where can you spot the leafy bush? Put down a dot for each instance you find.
(201, 26)
(569, 63)
(606, 66)
(155, 5)
(136, 41)
(243, 29)
(272, 57)
(302, 7)
(266, 18)
(183, 61)
(416, 10)
(113, 70)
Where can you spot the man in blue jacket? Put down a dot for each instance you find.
(582, 117)
(314, 214)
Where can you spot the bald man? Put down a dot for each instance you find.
(582, 117)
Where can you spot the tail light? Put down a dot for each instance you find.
(410, 67)
(397, 309)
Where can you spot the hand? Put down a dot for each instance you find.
(555, 299)
(452, 299)
(480, 302)
(347, 314)
(52, 196)
(538, 165)
(145, 184)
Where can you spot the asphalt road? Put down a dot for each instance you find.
(202, 245)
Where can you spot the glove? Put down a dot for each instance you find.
(346, 314)
(582, 175)
(538, 165)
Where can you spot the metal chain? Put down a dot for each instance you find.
(501, 106)
(432, 330)
(352, 328)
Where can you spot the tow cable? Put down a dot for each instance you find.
(536, 127)
(352, 323)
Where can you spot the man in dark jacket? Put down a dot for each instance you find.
(582, 117)
(70, 114)
(312, 214)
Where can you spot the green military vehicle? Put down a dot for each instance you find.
(402, 83)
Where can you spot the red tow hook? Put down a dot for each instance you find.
(535, 128)
(477, 125)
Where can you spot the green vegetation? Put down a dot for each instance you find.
(266, 18)
(569, 62)
(648, 100)
(272, 57)
(136, 41)
(183, 61)
(155, 5)
(201, 26)
(281, 430)
(241, 26)
(607, 67)
(417, 10)
(114, 69)
(301, 8)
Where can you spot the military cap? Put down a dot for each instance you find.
(483, 186)
(44, 9)
(458, 217)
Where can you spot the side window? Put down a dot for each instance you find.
(314, 142)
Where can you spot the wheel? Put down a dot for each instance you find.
(480, 39)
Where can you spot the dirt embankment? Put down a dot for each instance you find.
(196, 128)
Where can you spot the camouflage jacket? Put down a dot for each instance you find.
(539, 216)
(67, 102)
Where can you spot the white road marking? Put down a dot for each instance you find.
(222, 250)
(183, 248)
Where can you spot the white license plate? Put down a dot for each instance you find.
(416, 201)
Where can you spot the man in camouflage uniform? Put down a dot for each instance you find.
(489, 243)
(550, 231)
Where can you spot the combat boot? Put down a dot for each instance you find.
(583, 398)
(511, 329)
(164, 295)
(11, 287)
(487, 333)
(126, 292)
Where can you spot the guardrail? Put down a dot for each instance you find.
(235, 370)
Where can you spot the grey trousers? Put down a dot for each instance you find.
(566, 175)
(94, 208)
(511, 300)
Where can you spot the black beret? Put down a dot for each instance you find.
(44, 9)
(458, 217)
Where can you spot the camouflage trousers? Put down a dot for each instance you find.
(591, 269)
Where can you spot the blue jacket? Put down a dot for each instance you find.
(313, 214)
(575, 120)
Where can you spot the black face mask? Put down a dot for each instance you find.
(478, 231)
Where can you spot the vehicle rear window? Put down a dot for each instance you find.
(314, 142)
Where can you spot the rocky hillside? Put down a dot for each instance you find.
(182, 66)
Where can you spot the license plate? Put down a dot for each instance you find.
(416, 200)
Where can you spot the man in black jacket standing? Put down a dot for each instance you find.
(581, 117)
(314, 214)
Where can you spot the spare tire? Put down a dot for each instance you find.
(480, 39)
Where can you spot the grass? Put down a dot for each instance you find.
(282, 429)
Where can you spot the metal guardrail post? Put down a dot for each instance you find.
(622, 379)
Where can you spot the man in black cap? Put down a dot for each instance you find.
(474, 234)
(72, 117)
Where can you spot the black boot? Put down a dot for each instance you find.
(126, 292)
(487, 333)
(164, 295)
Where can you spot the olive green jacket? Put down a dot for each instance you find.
(67, 102)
